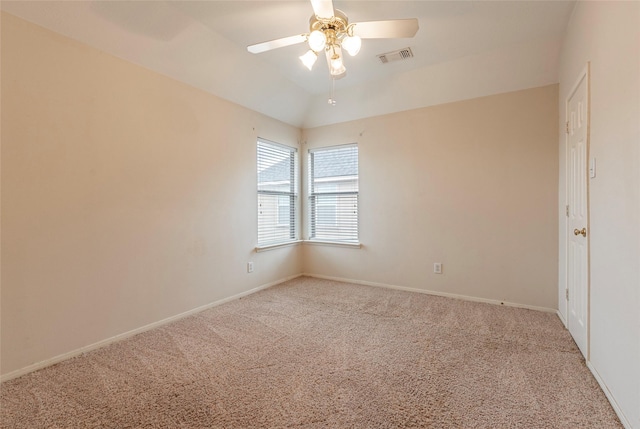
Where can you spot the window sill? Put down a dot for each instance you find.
(333, 243)
(276, 246)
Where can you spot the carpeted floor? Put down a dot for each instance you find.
(312, 353)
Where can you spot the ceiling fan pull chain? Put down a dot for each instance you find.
(332, 100)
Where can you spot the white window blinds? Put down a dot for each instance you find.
(333, 194)
(277, 193)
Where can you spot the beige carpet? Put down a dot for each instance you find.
(318, 354)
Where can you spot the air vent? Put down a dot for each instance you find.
(402, 54)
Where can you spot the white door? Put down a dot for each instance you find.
(577, 193)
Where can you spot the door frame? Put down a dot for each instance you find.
(585, 73)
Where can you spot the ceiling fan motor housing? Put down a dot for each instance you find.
(335, 28)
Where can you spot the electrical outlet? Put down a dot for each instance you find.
(437, 268)
(249, 267)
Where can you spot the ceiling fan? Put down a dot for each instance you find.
(330, 31)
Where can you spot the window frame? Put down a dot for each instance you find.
(292, 193)
(313, 196)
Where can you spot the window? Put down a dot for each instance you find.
(284, 210)
(277, 193)
(333, 194)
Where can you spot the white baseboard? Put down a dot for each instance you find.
(436, 293)
(623, 419)
(561, 317)
(48, 362)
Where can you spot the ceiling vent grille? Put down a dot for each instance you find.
(402, 54)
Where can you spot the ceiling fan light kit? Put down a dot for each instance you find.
(330, 31)
(330, 35)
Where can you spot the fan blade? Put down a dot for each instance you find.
(395, 28)
(322, 8)
(277, 43)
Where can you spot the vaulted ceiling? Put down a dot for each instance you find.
(463, 49)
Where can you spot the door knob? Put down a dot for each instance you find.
(582, 232)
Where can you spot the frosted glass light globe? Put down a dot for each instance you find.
(337, 67)
(352, 44)
(336, 63)
(309, 59)
(317, 40)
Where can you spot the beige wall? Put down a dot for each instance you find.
(607, 34)
(471, 184)
(127, 197)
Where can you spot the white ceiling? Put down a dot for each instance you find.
(463, 49)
